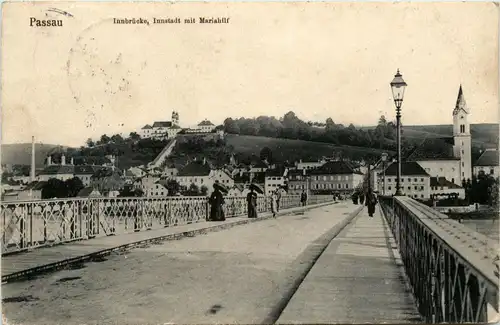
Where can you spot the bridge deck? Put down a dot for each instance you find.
(59, 255)
(357, 279)
(239, 275)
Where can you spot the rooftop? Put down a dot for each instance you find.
(35, 186)
(434, 149)
(488, 158)
(162, 124)
(442, 181)
(410, 168)
(334, 168)
(195, 168)
(205, 123)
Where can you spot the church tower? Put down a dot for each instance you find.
(175, 118)
(461, 136)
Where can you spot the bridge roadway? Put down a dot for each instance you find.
(330, 264)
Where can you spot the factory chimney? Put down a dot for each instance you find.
(32, 174)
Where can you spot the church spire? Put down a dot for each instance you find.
(461, 104)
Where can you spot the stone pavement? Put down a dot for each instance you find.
(357, 279)
(45, 259)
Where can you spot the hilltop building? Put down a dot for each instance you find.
(162, 129)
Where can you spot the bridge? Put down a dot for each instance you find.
(148, 260)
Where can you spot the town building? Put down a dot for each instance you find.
(275, 178)
(204, 126)
(200, 173)
(309, 164)
(443, 188)
(147, 184)
(487, 163)
(84, 173)
(415, 181)
(335, 177)
(89, 192)
(298, 181)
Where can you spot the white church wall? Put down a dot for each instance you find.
(449, 169)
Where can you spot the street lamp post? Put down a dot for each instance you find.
(384, 159)
(398, 86)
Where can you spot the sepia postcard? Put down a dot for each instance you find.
(249, 162)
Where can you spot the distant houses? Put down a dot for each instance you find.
(487, 164)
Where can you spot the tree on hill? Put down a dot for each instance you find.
(203, 190)
(266, 154)
(90, 143)
(134, 136)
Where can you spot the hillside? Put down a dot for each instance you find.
(484, 134)
(20, 153)
(245, 147)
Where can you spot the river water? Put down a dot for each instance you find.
(488, 227)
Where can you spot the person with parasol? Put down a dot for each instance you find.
(216, 202)
(252, 200)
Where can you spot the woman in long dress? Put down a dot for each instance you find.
(216, 202)
(274, 203)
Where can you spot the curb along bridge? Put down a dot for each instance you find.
(453, 271)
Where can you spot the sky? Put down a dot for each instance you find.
(92, 77)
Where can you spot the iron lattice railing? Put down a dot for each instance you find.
(453, 270)
(30, 224)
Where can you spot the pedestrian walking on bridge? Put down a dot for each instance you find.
(216, 202)
(303, 198)
(371, 202)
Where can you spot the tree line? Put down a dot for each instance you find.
(383, 136)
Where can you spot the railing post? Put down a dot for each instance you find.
(30, 213)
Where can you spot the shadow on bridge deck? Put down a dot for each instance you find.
(358, 279)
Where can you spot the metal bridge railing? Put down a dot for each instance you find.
(29, 224)
(453, 270)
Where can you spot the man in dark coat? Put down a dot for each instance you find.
(252, 203)
(216, 202)
(303, 198)
(371, 202)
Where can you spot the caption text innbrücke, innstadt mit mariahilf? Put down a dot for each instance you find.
(35, 22)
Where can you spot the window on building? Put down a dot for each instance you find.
(453, 180)
(346, 185)
(463, 174)
(492, 171)
(421, 188)
(416, 188)
(415, 180)
(409, 187)
(402, 180)
(338, 185)
(422, 195)
(421, 179)
(409, 180)
(389, 188)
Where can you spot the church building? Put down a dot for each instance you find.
(448, 157)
